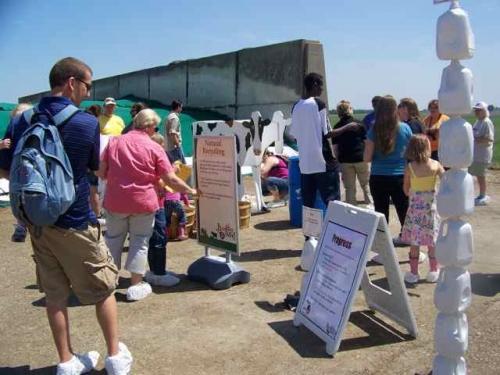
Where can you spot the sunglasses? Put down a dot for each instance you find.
(88, 86)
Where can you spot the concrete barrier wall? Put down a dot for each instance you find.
(267, 79)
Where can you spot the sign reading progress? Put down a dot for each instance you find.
(217, 207)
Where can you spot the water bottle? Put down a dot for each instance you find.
(451, 334)
(453, 291)
(449, 366)
(307, 256)
(455, 39)
(455, 243)
(456, 194)
(458, 149)
(455, 92)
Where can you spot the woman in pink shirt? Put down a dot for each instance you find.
(131, 164)
(274, 175)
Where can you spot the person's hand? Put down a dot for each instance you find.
(353, 126)
(196, 193)
(5, 144)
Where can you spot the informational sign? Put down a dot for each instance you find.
(339, 269)
(312, 221)
(217, 207)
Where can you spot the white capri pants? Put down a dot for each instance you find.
(140, 227)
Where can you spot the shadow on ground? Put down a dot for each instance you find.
(485, 284)
(274, 225)
(266, 254)
(51, 370)
(307, 345)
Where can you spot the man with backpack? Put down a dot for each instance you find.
(69, 252)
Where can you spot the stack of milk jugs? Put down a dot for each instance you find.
(454, 247)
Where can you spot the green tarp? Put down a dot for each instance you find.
(187, 117)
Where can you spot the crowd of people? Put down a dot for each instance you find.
(393, 153)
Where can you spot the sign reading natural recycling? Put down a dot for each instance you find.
(217, 207)
(331, 285)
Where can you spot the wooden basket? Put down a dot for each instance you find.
(191, 220)
(244, 208)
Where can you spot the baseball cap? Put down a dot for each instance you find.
(481, 105)
(109, 101)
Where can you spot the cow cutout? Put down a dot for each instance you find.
(252, 138)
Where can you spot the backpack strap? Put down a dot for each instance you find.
(65, 114)
(59, 119)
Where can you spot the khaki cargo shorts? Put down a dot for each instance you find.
(70, 259)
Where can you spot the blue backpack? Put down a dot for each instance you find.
(41, 177)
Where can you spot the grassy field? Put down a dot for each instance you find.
(471, 119)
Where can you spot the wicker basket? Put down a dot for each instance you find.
(244, 208)
(191, 220)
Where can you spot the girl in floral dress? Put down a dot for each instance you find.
(422, 221)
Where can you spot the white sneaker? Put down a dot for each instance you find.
(139, 291)
(421, 257)
(121, 363)
(79, 364)
(482, 201)
(432, 277)
(276, 204)
(410, 278)
(168, 280)
(398, 242)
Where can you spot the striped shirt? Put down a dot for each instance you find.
(80, 136)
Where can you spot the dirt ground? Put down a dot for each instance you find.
(191, 329)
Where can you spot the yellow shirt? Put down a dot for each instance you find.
(111, 125)
(432, 130)
(427, 183)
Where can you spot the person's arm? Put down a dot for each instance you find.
(177, 184)
(102, 173)
(406, 181)
(271, 161)
(173, 131)
(440, 171)
(369, 150)
(5, 143)
(349, 127)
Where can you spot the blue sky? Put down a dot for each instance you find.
(371, 46)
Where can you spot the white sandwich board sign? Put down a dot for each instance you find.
(339, 268)
(312, 221)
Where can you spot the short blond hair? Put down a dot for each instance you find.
(145, 119)
(419, 149)
(158, 138)
(344, 109)
(20, 108)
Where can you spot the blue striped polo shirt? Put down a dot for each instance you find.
(80, 136)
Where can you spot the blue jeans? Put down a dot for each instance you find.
(276, 184)
(157, 252)
(176, 154)
(328, 184)
(178, 208)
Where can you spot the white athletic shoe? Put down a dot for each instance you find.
(482, 201)
(398, 242)
(410, 278)
(432, 277)
(421, 257)
(377, 259)
(168, 280)
(139, 291)
(121, 363)
(79, 364)
(276, 204)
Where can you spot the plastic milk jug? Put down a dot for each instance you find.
(455, 39)
(307, 256)
(453, 291)
(456, 194)
(457, 151)
(451, 334)
(455, 243)
(455, 92)
(449, 366)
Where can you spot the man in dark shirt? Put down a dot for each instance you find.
(71, 256)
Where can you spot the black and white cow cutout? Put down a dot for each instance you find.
(252, 138)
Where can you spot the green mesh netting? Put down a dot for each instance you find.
(187, 117)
